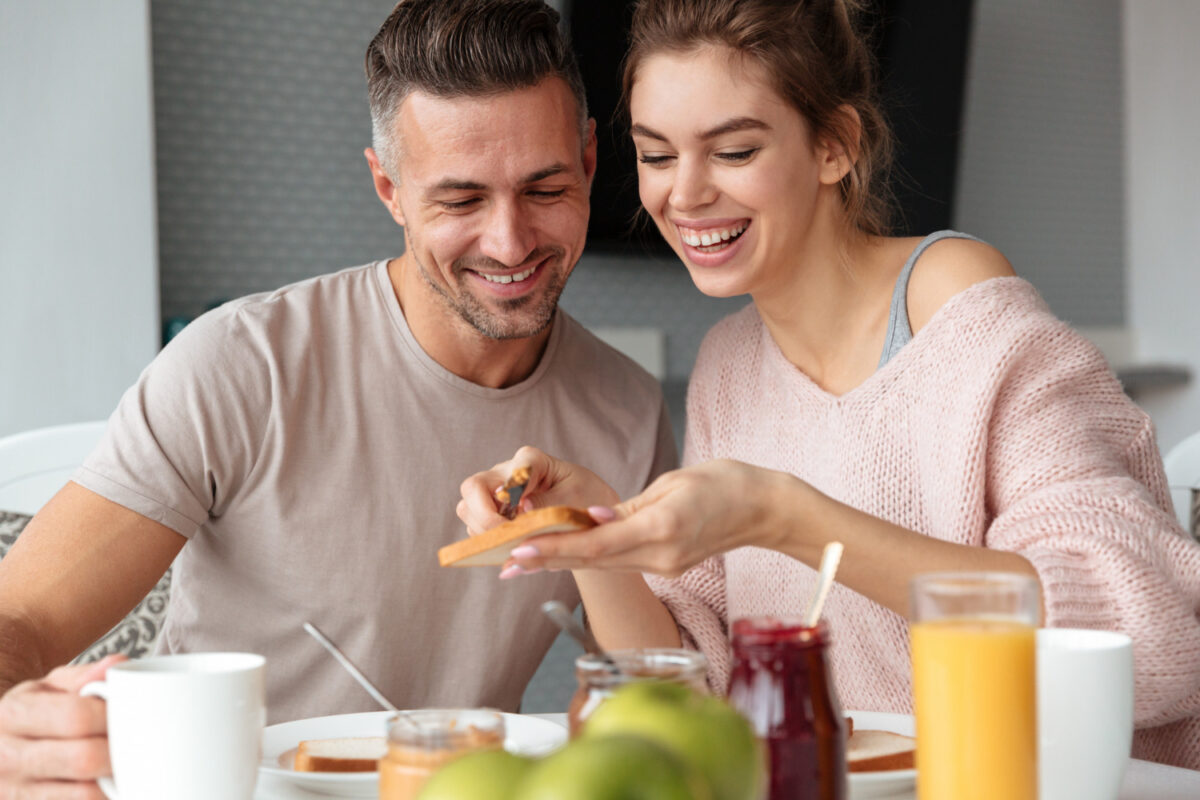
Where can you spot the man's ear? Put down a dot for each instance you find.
(384, 187)
(589, 153)
(839, 152)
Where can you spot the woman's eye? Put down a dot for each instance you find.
(739, 156)
(653, 161)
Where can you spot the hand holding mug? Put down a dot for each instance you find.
(187, 726)
(51, 737)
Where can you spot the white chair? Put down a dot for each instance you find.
(1183, 477)
(35, 464)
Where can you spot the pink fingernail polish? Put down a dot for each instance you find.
(511, 572)
(525, 551)
(534, 570)
(602, 513)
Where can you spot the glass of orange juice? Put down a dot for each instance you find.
(974, 685)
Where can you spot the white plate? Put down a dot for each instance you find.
(525, 735)
(888, 783)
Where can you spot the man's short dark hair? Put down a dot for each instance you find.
(464, 48)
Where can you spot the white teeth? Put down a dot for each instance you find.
(517, 278)
(709, 238)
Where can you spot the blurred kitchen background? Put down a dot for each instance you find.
(160, 156)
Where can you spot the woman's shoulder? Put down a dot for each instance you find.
(945, 269)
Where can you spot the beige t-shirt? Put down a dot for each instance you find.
(311, 451)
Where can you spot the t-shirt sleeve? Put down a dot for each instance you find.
(185, 436)
(1076, 486)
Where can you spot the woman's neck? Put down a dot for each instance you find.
(828, 312)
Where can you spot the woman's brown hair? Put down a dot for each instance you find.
(818, 60)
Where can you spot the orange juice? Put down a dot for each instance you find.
(975, 695)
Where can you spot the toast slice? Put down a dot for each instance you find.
(491, 548)
(875, 751)
(354, 754)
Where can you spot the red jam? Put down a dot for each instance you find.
(781, 682)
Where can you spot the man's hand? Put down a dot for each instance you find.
(53, 743)
(552, 482)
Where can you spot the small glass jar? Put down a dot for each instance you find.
(597, 679)
(781, 682)
(419, 742)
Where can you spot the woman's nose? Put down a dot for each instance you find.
(692, 187)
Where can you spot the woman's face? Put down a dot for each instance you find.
(726, 168)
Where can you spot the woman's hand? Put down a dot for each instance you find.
(681, 519)
(552, 482)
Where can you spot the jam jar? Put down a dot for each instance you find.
(419, 742)
(597, 679)
(781, 682)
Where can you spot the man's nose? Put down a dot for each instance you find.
(692, 186)
(509, 236)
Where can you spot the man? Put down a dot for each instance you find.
(307, 445)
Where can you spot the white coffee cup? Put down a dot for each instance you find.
(187, 727)
(1085, 712)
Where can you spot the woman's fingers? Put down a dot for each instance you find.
(643, 543)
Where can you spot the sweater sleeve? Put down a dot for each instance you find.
(1075, 485)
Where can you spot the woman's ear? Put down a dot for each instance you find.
(840, 147)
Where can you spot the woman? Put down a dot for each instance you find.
(996, 439)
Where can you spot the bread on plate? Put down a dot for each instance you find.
(350, 754)
(875, 751)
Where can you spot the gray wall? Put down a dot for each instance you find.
(1040, 172)
(78, 273)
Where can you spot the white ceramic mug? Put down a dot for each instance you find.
(1085, 712)
(187, 727)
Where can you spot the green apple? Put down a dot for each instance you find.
(483, 775)
(613, 768)
(704, 731)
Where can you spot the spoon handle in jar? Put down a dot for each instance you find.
(830, 558)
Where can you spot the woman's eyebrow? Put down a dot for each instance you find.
(729, 126)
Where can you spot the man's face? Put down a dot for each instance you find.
(493, 196)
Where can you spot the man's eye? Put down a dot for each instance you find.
(739, 156)
(459, 205)
(547, 193)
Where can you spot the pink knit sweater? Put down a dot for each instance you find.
(996, 426)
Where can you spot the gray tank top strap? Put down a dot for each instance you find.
(899, 329)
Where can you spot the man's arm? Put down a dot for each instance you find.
(79, 566)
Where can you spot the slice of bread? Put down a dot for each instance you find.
(491, 548)
(875, 751)
(355, 754)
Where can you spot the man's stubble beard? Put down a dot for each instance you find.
(536, 311)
